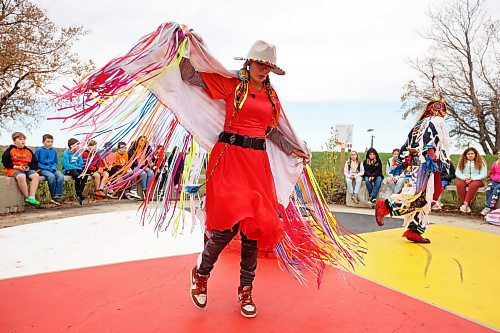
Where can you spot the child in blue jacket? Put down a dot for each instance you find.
(47, 163)
(72, 165)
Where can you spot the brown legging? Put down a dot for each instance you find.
(467, 194)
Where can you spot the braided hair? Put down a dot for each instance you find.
(241, 94)
(271, 93)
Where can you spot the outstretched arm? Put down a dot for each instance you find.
(284, 145)
(190, 75)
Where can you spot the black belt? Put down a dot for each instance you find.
(242, 141)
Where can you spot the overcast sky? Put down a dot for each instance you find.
(331, 50)
(339, 52)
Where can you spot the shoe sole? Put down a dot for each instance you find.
(418, 242)
(247, 315)
(191, 285)
(426, 240)
(56, 203)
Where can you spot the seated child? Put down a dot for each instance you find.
(47, 163)
(72, 165)
(95, 168)
(20, 163)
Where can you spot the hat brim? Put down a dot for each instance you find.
(275, 69)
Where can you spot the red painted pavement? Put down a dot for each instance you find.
(152, 296)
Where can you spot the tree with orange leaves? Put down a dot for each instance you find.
(34, 52)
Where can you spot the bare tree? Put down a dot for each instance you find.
(34, 52)
(465, 56)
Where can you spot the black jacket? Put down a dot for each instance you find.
(448, 174)
(373, 170)
(19, 156)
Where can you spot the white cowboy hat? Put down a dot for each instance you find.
(265, 53)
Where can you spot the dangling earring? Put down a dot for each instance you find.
(243, 74)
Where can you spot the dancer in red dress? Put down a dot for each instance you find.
(240, 188)
(266, 194)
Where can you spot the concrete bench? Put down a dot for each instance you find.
(11, 199)
(384, 193)
(454, 188)
(479, 190)
(43, 179)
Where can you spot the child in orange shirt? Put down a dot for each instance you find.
(20, 162)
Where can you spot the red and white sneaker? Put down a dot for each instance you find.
(100, 194)
(198, 289)
(415, 237)
(248, 308)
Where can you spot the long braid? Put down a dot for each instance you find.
(271, 93)
(240, 95)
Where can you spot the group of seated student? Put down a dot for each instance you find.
(370, 170)
(470, 173)
(117, 164)
(126, 160)
(22, 164)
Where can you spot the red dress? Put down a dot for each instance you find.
(241, 188)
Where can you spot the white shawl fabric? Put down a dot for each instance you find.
(204, 117)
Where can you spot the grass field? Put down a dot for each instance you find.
(319, 157)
